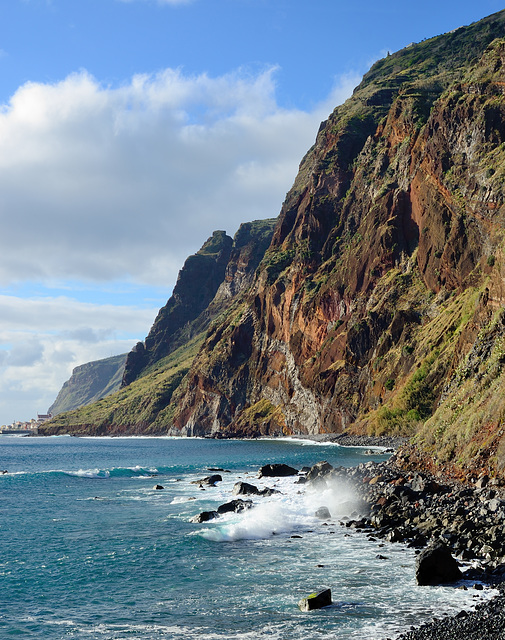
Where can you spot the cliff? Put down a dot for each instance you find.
(88, 383)
(207, 286)
(378, 306)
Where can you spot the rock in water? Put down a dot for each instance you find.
(205, 516)
(246, 489)
(209, 481)
(323, 513)
(158, 487)
(276, 470)
(435, 565)
(316, 600)
(235, 506)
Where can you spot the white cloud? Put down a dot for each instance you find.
(41, 341)
(100, 183)
(121, 185)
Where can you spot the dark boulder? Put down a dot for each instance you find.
(158, 487)
(235, 506)
(268, 492)
(209, 481)
(276, 470)
(435, 565)
(316, 600)
(246, 489)
(205, 516)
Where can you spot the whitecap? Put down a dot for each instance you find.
(89, 473)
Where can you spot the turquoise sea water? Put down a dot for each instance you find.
(90, 550)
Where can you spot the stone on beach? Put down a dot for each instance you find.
(315, 600)
(435, 565)
(319, 470)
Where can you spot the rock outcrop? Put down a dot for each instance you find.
(316, 600)
(378, 307)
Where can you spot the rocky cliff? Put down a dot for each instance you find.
(207, 286)
(378, 306)
(89, 383)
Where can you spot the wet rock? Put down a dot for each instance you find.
(246, 489)
(316, 600)
(235, 506)
(209, 481)
(158, 487)
(323, 513)
(319, 470)
(435, 565)
(276, 470)
(205, 516)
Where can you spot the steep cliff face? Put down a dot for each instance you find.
(220, 270)
(385, 265)
(207, 285)
(196, 286)
(89, 383)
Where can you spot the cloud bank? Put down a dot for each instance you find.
(120, 184)
(41, 341)
(101, 183)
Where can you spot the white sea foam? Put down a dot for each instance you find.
(89, 473)
(303, 441)
(183, 499)
(262, 521)
(293, 509)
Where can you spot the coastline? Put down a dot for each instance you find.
(390, 490)
(346, 440)
(417, 509)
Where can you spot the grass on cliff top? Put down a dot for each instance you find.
(138, 404)
(440, 54)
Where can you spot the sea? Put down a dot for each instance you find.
(91, 550)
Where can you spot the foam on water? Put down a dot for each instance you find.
(89, 473)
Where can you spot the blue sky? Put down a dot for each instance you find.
(131, 129)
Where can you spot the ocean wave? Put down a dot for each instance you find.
(115, 472)
(261, 522)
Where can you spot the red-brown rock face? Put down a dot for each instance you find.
(360, 312)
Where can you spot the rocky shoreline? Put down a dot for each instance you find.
(349, 440)
(398, 504)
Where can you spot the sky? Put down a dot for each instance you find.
(130, 130)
